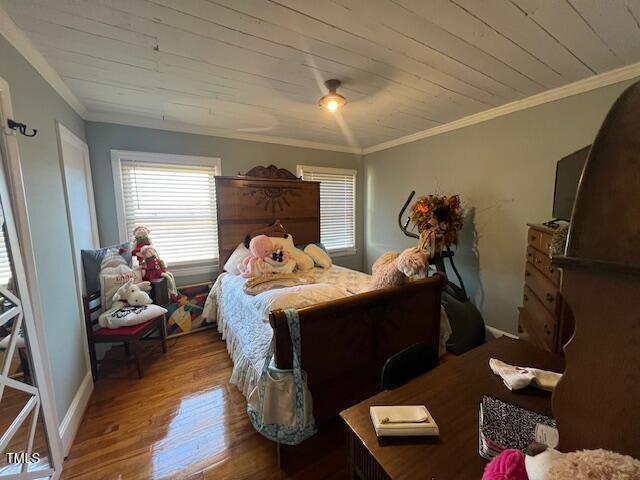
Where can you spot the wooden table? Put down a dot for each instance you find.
(452, 392)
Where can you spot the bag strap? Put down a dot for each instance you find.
(293, 322)
(263, 375)
(294, 331)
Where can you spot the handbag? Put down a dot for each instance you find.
(280, 406)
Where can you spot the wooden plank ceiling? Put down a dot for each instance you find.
(259, 65)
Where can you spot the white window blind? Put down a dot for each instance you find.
(337, 205)
(176, 201)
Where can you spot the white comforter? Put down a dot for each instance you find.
(243, 319)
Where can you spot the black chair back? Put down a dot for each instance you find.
(407, 364)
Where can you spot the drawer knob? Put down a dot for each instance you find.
(551, 269)
(527, 273)
(533, 238)
(547, 330)
(525, 297)
(550, 298)
(538, 261)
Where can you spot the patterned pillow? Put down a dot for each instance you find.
(109, 285)
(130, 315)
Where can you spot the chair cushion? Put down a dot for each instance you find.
(131, 330)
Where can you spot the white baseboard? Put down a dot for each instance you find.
(492, 332)
(71, 421)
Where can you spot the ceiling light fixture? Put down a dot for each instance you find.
(332, 102)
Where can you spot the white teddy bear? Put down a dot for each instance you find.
(132, 294)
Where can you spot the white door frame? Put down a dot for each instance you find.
(71, 422)
(33, 318)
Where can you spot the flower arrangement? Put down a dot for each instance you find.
(439, 220)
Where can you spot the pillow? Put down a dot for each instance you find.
(320, 257)
(304, 261)
(109, 285)
(130, 315)
(239, 254)
(91, 260)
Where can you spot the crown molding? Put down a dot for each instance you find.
(16, 37)
(174, 126)
(581, 86)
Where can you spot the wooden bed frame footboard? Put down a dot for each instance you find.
(346, 342)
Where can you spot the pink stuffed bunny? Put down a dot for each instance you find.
(264, 258)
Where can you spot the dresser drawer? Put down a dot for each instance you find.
(543, 263)
(545, 242)
(541, 322)
(533, 238)
(531, 255)
(542, 287)
(527, 331)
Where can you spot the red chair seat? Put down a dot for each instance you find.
(120, 331)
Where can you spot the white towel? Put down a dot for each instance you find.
(516, 378)
(402, 420)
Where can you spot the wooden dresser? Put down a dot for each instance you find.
(544, 319)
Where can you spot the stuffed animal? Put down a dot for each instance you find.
(114, 263)
(132, 294)
(509, 465)
(265, 258)
(153, 268)
(141, 239)
(393, 268)
(544, 463)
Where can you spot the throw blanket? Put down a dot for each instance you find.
(271, 281)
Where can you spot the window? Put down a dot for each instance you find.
(5, 262)
(337, 206)
(174, 196)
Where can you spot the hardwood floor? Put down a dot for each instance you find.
(182, 420)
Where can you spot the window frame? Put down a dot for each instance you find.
(300, 169)
(179, 269)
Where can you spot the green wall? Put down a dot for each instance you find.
(504, 170)
(39, 106)
(236, 156)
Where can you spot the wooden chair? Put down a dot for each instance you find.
(129, 336)
(407, 364)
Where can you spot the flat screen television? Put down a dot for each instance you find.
(568, 172)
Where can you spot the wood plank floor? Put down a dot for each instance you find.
(182, 420)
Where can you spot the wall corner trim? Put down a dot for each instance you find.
(176, 126)
(72, 419)
(574, 88)
(16, 37)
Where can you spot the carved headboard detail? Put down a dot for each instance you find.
(273, 198)
(271, 172)
(266, 194)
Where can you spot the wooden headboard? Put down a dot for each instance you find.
(259, 198)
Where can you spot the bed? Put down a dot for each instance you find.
(346, 340)
(243, 320)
